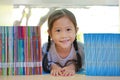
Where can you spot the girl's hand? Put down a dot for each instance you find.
(68, 70)
(56, 70)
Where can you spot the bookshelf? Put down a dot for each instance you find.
(20, 50)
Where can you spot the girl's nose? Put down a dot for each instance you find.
(64, 34)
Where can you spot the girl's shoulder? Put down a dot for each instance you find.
(44, 46)
(80, 44)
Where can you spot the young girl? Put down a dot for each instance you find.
(62, 55)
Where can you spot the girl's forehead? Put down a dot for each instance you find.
(63, 21)
(63, 17)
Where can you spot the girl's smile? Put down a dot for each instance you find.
(65, 40)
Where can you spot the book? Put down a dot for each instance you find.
(15, 50)
(4, 51)
(102, 54)
(39, 50)
(10, 51)
(0, 50)
(29, 51)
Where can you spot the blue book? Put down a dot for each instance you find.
(22, 49)
(5, 58)
(10, 51)
(1, 50)
(20, 52)
(102, 54)
(4, 72)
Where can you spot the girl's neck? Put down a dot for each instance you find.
(63, 52)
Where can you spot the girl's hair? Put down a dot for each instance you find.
(51, 19)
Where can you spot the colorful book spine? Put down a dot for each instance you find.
(3, 52)
(11, 54)
(34, 48)
(19, 51)
(15, 50)
(25, 48)
(5, 69)
(29, 51)
(37, 52)
(22, 51)
(0, 50)
(26, 54)
(39, 55)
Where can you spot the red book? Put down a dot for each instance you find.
(39, 49)
(24, 34)
(26, 53)
(33, 49)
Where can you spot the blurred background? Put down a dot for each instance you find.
(93, 16)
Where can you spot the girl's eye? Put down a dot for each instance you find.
(58, 30)
(68, 29)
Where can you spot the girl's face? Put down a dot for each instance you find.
(63, 32)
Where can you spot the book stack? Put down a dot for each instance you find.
(102, 54)
(20, 50)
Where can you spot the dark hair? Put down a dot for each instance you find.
(53, 17)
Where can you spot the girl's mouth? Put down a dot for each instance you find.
(64, 41)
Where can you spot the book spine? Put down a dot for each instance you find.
(32, 49)
(1, 50)
(39, 50)
(23, 52)
(15, 50)
(10, 63)
(29, 50)
(25, 49)
(5, 58)
(20, 53)
(36, 52)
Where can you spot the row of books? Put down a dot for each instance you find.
(20, 50)
(102, 54)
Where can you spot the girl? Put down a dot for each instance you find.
(63, 55)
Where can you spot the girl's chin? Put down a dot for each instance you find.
(65, 46)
